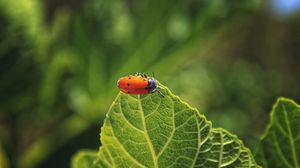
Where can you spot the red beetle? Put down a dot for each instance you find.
(138, 84)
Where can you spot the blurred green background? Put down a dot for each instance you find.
(60, 60)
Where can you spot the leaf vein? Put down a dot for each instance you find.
(172, 133)
(150, 145)
(125, 151)
(292, 143)
(127, 121)
(221, 150)
(199, 143)
(154, 110)
(281, 155)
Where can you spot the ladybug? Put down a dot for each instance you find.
(138, 84)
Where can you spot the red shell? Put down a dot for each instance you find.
(133, 85)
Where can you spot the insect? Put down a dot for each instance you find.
(138, 84)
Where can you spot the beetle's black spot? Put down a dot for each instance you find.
(128, 92)
(144, 79)
(128, 84)
(129, 77)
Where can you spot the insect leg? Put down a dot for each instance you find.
(145, 75)
(137, 74)
(159, 91)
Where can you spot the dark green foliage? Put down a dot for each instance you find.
(280, 145)
(60, 60)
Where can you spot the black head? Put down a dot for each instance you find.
(152, 85)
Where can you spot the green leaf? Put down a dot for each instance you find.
(280, 145)
(224, 150)
(84, 159)
(154, 131)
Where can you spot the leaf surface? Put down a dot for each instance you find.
(153, 131)
(84, 159)
(280, 145)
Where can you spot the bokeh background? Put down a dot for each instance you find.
(60, 60)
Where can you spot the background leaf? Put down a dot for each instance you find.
(151, 131)
(60, 60)
(280, 144)
(84, 159)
